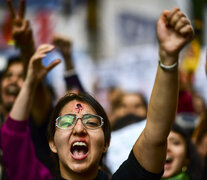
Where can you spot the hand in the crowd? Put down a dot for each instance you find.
(174, 31)
(36, 70)
(21, 30)
(63, 44)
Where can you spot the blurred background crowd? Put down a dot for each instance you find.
(106, 33)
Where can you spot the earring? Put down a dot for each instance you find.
(184, 168)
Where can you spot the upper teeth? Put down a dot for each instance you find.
(79, 144)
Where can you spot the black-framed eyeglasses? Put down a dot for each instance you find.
(90, 121)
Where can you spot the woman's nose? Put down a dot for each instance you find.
(168, 147)
(13, 79)
(79, 127)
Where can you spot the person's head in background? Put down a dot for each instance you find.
(113, 95)
(11, 82)
(129, 103)
(79, 140)
(198, 104)
(182, 159)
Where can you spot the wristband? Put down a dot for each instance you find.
(168, 68)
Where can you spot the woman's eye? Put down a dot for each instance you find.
(91, 123)
(66, 122)
(176, 142)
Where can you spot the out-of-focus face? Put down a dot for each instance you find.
(133, 104)
(176, 155)
(198, 104)
(79, 149)
(130, 103)
(11, 84)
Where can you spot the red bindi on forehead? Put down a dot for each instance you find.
(79, 107)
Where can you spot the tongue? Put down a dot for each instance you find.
(79, 153)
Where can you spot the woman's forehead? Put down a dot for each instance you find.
(176, 135)
(77, 107)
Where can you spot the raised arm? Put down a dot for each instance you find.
(64, 45)
(174, 31)
(36, 71)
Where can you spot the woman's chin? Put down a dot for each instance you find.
(167, 175)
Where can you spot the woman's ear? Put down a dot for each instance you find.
(52, 146)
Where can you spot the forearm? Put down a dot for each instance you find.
(150, 149)
(22, 106)
(68, 62)
(162, 105)
(27, 49)
(26, 53)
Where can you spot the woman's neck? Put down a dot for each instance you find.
(71, 175)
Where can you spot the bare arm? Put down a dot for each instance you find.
(36, 71)
(174, 32)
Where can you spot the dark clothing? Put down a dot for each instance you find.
(39, 139)
(73, 82)
(101, 176)
(129, 170)
(126, 120)
(132, 170)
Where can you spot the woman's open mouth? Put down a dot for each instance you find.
(168, 162)
(79, 150)
(12, 90)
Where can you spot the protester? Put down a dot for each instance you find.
(182, 161)
(130, 104)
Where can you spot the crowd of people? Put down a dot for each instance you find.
(44, 136)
